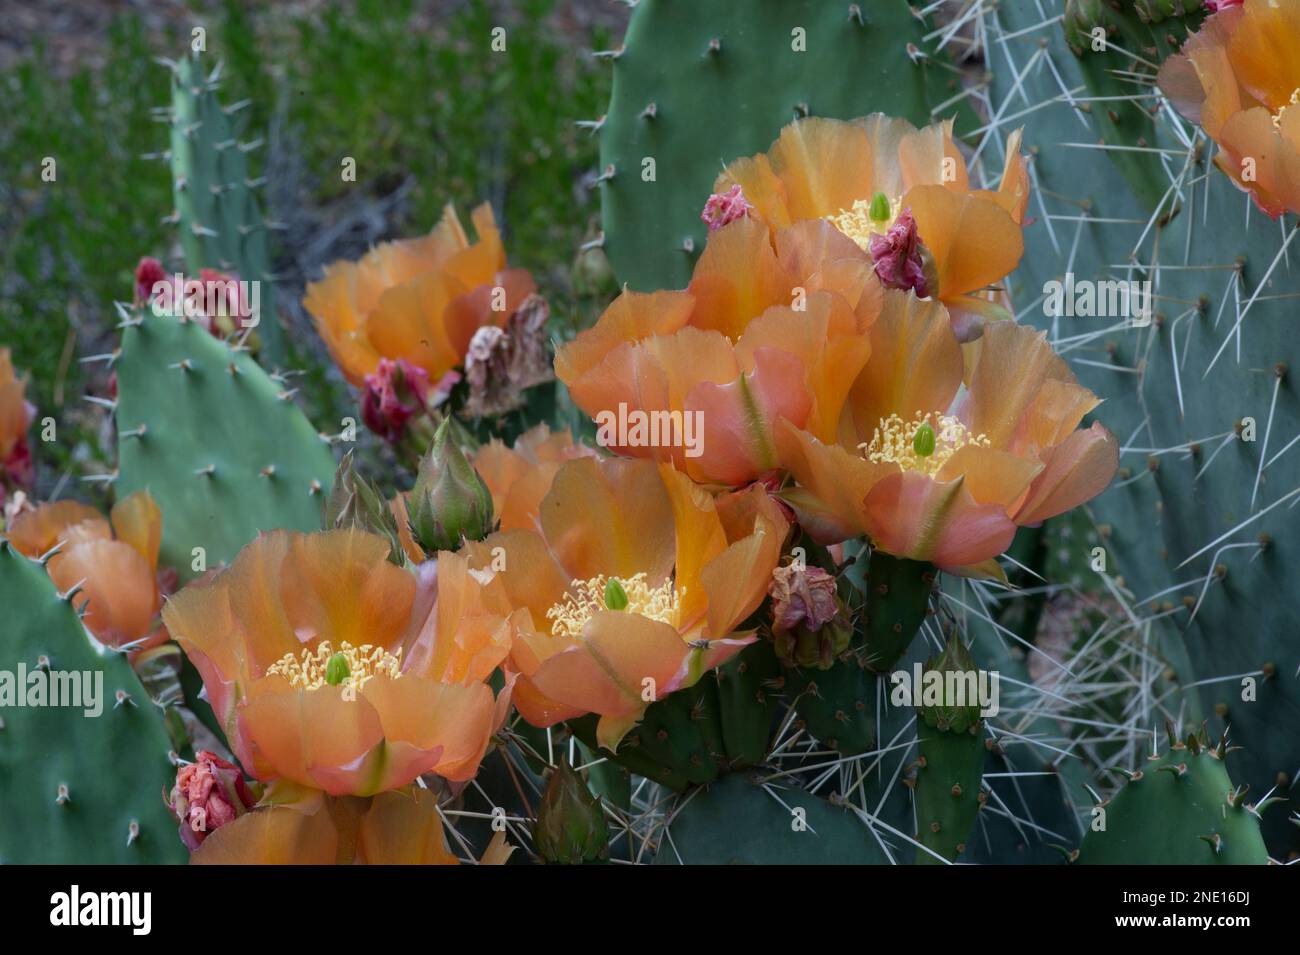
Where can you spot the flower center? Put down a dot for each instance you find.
(923, 444)
(1295, 101)
(348, 666)
(586, 598)
(867, 217)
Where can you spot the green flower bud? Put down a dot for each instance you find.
(949, 714)
(570, 827)
(337, 670)
(615, 595)
(880, 208)
(449, 503)
(353, 502)
(923, 440)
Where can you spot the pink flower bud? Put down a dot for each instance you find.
(147, 274)
(898, 256)
(725, 208)
(1217, 5)
(209, 793)
(395, 393)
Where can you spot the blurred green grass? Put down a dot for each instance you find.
(405, 92)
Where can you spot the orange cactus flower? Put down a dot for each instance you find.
(116, 577)
(932, 472)
(772, 326)
(883, 183)
(330, 667)
(393, 828)
(16, 414)
(633, 587)
(1239, 78)
(418, 299)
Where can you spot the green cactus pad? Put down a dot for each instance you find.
(221, 226)
(737, 821)
(1181, 809)
(697, 85)
(898, 594)
(838, 705)
(218, 443)
(1195, 527)
(77, 789)
(747, 688)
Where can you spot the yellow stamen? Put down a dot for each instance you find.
(310, 670)
(1295, 101)
(858, 225)
(586, 598)
(894, 442)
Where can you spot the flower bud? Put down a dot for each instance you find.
(570, 827)
(353, 502)
(449, 503)
(958, 716)
(810, 626)
(208, 793)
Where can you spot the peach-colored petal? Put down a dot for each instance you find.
(313, 737)
(529, 573)
(430, 727)
(272, 836)
(137, 521)
(700, 538)
(606, 672)
(610, 517)
(631, 317)
(916, 363)
(737, 579)
(119, 592)
(1014, 362)
(832, 348)
(33, 533)
(340, 586)
(738, 417)
(403, 828)
(738, 277)
(834, 484)
(991, 476)
(911, 515)
(974, 240)
(1077, 470)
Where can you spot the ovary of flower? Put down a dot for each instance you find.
(857, 224)
(586, 598)
(308, 671)
(1295, 101)
(894, 442)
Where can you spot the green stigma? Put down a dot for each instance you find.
(337, 670)
(880, 210)
(923, 440)
(615, 595)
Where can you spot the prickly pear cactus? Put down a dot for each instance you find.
(219, 444)
(76, 786)
(743, 820)
(221, 226)
(950, 763)
(1194, 530)
(698, 85)
(1179, 809)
